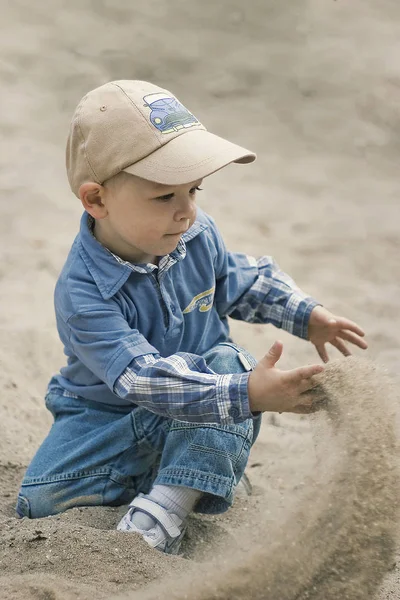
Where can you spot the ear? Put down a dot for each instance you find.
(92, 196)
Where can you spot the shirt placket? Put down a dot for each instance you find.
(172, 323)
(161, 298)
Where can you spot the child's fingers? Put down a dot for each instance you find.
(297, 375)
(350, 325)
(322, 353)
(353, 338)
(306, 385)
(341, 346)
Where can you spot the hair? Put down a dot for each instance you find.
(341, 541)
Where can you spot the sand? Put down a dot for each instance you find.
(312, 87)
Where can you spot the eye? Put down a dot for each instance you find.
(165, 198)
(195, 189)
(168, 197)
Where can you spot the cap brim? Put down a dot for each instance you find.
(188, 157)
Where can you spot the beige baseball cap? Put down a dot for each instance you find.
(137, 127)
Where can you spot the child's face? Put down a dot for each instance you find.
(145, 219)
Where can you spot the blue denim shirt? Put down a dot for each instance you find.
(115, 318)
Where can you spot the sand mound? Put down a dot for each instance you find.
(78, 546)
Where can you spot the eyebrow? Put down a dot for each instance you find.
(161, 186)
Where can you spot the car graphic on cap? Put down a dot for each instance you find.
(168, 114)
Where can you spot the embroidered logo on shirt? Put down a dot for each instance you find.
(168, 114)
(203, 302)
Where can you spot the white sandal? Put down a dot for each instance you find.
(168, 532)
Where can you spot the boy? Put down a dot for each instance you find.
(157, 406)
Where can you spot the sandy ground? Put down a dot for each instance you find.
(312, 86)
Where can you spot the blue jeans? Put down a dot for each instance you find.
(98, 454)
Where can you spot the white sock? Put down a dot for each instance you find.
(175, 499)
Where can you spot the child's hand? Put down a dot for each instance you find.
(270, 389)
(324, 327)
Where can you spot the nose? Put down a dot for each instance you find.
(186, 208)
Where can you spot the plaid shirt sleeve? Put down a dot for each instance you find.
(182, 387)
(274, 298)
(257, 291)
